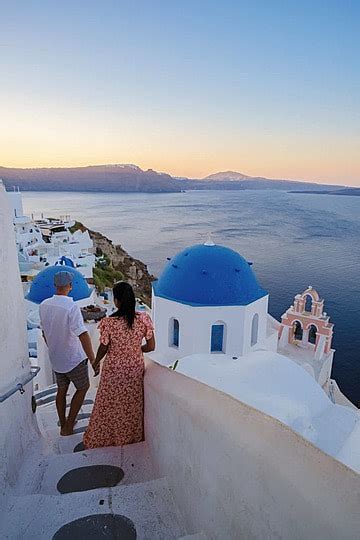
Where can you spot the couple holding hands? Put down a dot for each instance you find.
(117, 416)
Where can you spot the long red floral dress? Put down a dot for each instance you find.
(117, 416)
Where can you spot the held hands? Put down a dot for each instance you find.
(95, 365)
(96, 369)
(102, 350)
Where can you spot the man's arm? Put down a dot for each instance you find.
(79, 329)
(87, 346)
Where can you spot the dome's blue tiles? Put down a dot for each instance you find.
(42, 286)
(209, 275)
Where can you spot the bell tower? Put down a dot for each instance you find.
(307, 325)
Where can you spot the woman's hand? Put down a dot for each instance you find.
(149, 346)
(96, 368)
(102, 350)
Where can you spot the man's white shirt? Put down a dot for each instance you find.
(62, 324)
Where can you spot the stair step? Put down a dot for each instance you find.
(98, 526)
(90, 477)
(44, 475)
(148, 505)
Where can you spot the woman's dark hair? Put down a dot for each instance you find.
(123, 292)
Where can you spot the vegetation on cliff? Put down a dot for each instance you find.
(115, 264)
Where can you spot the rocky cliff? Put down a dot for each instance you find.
(125, 267)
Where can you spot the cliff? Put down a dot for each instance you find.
(99, 178)
(121, 266)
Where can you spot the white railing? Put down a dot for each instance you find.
(19, 387)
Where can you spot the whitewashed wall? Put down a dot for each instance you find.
(18, 425)
(15, 202)
(195, 326)
(237, 473)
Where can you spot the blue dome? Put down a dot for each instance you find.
(209, 275)
(43, 287)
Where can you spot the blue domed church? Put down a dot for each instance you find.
(208, 300)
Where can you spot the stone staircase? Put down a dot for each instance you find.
(126, 499)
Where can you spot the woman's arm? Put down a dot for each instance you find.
(102, 350)
(150, 345)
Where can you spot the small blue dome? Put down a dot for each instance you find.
(42, 286)
(209, 275)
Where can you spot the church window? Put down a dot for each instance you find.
(174, 333)
(217, 338)
(254, 329)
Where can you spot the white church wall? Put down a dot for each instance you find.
(325, 371)
(195, 327)
(260, 307)
(271, 342)
(15, 203)
(237, 473)
(18, 425)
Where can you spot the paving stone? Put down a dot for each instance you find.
(90, 477)
(98, 526)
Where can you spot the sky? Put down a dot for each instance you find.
(264, 87)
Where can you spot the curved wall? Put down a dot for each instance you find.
(237, 473)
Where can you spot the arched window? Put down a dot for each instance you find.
(298, 330)
(312, 334)
(308, 303)
(254, 329)
(217, 337)
(174, 333)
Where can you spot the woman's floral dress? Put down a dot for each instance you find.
(117, 416)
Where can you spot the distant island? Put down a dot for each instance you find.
(352, 192)
(131, 178)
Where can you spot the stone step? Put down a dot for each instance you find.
(45, 474)
(149, 506)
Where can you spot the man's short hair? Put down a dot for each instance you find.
(63, 278)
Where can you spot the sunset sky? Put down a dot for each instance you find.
(191, 87)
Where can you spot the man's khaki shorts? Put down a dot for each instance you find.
(79, 376)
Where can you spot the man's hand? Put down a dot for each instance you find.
(102, 350)
(96, 368)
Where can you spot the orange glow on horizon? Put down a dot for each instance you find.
(43, 138)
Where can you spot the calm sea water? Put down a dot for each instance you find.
(293, 240)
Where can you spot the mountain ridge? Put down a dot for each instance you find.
(131, 178)
(232, 176)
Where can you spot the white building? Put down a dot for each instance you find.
(212, 324)
(207, 300)
(45, 242)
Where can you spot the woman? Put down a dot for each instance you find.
(117, 416)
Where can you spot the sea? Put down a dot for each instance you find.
(293, 240)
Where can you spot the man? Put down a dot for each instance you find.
(69, 348)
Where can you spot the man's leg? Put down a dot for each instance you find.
(61, 405)
(75, 407)
(63, 385)
(79, 376)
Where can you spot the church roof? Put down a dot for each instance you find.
(209, 275)
(42, 286)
